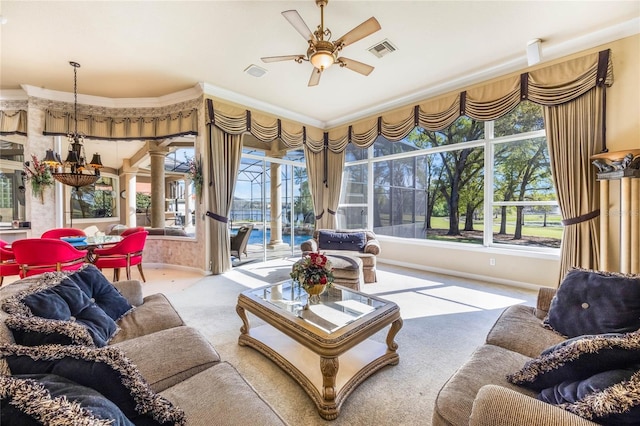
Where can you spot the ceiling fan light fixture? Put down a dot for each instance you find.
(322, 59)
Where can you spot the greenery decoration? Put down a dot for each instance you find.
(196, 174)
(39, 175)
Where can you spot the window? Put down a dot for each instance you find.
(473, 182)
(95, 201)
(12, 189)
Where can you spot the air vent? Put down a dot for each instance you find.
(255, 71)
(383, 48)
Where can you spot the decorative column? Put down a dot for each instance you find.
(625, 167)
(157, 185)
(276, 208)
(129, 187)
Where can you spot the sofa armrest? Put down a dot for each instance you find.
(545, 294)
(131, 290)
(372, 246)
(498, 406)
(309, 245)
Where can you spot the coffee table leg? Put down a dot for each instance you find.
(329, 368)
(395, 327)
(245, 321)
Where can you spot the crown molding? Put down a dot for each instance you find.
(159, 102)
(247, 101)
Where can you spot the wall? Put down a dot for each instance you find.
(513, 266)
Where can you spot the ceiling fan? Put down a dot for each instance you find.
(324, 53)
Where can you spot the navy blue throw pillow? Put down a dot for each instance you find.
(55, 297)
(37, 399)
(98, 288)
(593, 302)
(105, 370)
(329, 240)
(573, 391)
(578, 359)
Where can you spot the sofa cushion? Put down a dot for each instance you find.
(106, 370)
(593, 302)
(155, 314)
(55, 297)
(330, 240)
(159, 348)
(100, 290)
(37, 399)
(579, 359)
(221, 393)
(487, 365)
(518, 329)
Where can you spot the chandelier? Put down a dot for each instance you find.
(74, 171)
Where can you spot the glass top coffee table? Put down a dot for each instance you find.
(325, 347)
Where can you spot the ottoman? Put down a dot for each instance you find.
(347, 271)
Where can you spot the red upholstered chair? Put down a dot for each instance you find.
(130, 231)
(8, 264)
(125, 254)
(38, 255)
(63, 232)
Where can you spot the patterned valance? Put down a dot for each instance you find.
(13, 118)
(124, 123)
(553, 85)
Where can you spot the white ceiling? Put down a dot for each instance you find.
(132, 49)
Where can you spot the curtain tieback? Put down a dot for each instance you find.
(331, 212)
(320, 215)
(217, 217)
(581, 218)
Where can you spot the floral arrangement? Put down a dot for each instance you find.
(196, 174)
(314, 269)
(39, 174)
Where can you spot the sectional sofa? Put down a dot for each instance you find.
(573, 360)
(137, 352)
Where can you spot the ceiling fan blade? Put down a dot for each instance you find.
(368, 27)
(356, 66)
(298, 23)
(315, 77)
(268, 59)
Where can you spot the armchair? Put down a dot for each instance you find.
(125, 254)
(8, 264)
(359, 243)
(63, 232)
(240, 240)
(38, 255)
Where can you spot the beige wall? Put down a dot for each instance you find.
(512, 267)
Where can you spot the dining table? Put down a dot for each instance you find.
(93, 242)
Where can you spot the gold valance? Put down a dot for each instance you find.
(553, 85)
(131, 123)
(13, 122)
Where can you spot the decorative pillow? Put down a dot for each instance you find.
(593, 302)
(98, 288)
(55, 297)
(328, 240)
(617, 404)
(106, 370)
(34, 400)
(579, 359)
(34, 331)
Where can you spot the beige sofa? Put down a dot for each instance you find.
(176, 361)
(368, 253)
(479, 394)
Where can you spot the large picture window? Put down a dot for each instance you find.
(95, 201)
(483, 183)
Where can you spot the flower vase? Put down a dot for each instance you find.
(314, 292)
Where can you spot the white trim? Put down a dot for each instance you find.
(160, 101)
(249, 102)
(455, 273)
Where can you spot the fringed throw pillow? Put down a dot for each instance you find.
(106, 370)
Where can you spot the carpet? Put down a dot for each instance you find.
(445, 319)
